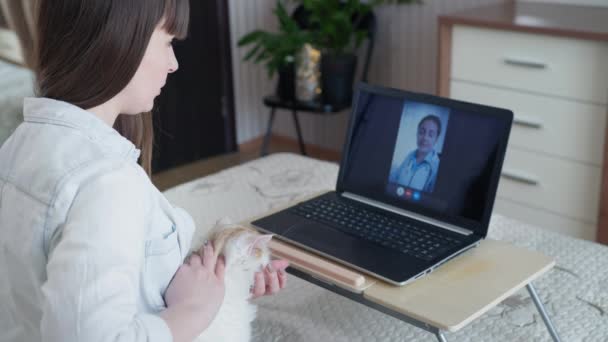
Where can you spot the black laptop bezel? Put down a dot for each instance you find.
(479, 228)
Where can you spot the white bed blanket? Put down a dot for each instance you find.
(575, 292)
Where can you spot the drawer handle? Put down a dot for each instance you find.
(519, 177)
(526, 121)
(525, 63)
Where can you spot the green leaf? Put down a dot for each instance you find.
(254, 36)
(252, 52)
(334, 24)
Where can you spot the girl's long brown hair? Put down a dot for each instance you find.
(86, 52)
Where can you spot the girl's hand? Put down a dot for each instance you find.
(271, 280)
(195, 294)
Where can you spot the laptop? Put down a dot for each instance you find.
(416, 185)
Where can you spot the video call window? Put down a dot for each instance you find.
(418, 148)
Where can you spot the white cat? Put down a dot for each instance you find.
(246, 253)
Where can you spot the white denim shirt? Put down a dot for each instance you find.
(87, 244)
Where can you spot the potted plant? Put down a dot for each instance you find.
(338, 28)
(277, 50)
(334, 26)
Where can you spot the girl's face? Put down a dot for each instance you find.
(427, 135)
(158, 61)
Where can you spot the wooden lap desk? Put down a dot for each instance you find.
(447, 299)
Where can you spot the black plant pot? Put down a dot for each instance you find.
(286, 88)
(337, 76)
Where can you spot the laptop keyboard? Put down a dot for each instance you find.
(406, 237)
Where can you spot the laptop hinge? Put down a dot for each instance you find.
(407, 213)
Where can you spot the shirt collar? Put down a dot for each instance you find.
(45, 110)
(430, 156)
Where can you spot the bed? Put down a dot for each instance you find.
(575, 292)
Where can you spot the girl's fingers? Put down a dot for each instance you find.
(195, 260)
(279, 264)
(259, 286)
(209, 257)
(272, 281)
(282, 279)
(220, 268)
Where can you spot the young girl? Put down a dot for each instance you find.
(90, 250)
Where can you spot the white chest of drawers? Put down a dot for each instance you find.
(557, 86)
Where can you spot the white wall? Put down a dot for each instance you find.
(405, 57)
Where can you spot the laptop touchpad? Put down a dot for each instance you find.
(332, 242)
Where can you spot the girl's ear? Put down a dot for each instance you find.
(258, 241)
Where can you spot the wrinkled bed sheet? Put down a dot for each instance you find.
(575, 292)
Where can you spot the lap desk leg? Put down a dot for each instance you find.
(466, 287)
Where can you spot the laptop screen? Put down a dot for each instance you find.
(437, 157)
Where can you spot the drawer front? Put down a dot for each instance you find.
(563, 187)
(545, 220)
(555, 126)
(565, 67)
